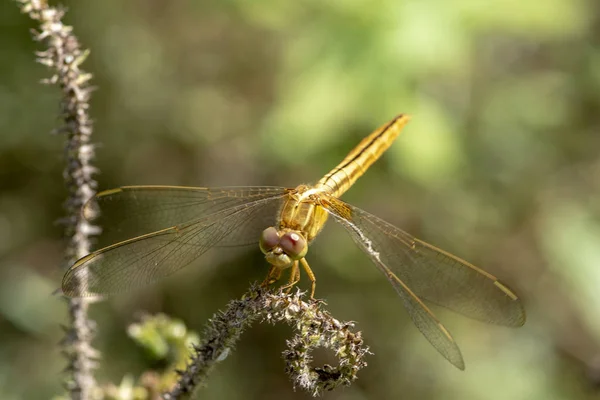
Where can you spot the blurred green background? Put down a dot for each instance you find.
(500, 165)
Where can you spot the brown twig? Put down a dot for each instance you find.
(63, 56)
(314, 328)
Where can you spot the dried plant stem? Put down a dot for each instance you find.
(63, 56)
(314, 328)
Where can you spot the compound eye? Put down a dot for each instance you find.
(294, 245)
(269, 238)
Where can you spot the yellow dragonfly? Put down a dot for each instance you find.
(170, 227)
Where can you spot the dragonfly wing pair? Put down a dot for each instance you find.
(170, 227)
(419, 271)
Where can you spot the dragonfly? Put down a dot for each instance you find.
(162, 229)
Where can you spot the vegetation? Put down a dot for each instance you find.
(499, 165)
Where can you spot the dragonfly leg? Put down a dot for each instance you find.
(311, 276)
(294, 277)
(273, 276)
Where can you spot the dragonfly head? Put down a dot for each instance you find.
(282, 248)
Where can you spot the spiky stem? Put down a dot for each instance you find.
(314, 328)
(63, 56)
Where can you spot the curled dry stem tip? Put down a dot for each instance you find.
(314, 327)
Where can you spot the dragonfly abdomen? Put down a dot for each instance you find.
(339, 179)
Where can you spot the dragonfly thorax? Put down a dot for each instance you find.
(301, 218)
(302, 212)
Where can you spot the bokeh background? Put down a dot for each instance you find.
(500, 165)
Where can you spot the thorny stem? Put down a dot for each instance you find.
(314, 328)
(63, 56)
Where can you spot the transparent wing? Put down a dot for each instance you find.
(136, 262)
(131, 211)
(431, 273)
(419, 270)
